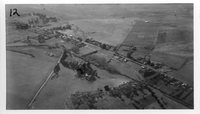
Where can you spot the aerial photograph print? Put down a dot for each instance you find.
(99, 56)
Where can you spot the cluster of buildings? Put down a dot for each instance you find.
(34, 20)
(99, 44)
(63, 27)
(44, 18)
(139, 96)
(173, 87)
